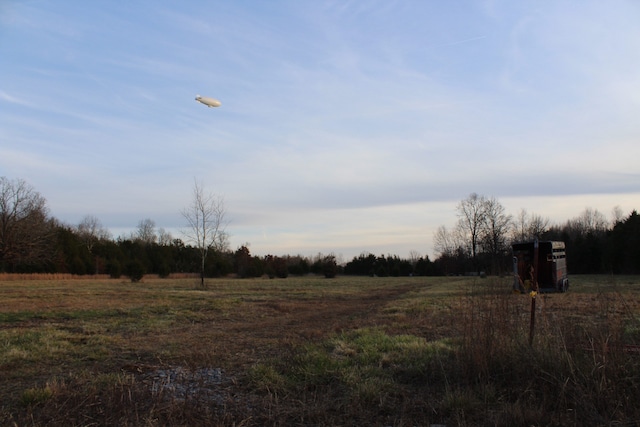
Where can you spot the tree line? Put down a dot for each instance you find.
(481, 239)
(32, 241)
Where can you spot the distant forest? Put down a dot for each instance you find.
(32, 241)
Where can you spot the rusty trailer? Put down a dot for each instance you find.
(540, 266)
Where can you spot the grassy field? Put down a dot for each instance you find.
(313, 351)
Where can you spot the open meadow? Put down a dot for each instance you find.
(409, 351)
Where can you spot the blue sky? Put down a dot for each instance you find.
(345, 126)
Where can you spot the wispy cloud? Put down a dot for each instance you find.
(4, 96)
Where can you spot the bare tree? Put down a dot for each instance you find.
(91, 231)
(444, 241)
(25, 229)
(471, 217)
(495, 229)
(164, 237)
(520, 226)
(529, 226)
(414, 257)
(589, 221)
(538, 225)
(616, 215)
(593, 220)
(146, 231)
(206, 224)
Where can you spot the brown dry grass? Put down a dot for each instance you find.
(7, 277)
(312, 351)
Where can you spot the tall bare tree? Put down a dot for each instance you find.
(529, 226)
(444, 241)
(91, 231)
(414, 257)
(589, 221)
(25, 229)
(164, 237)
(538, 225)
(206, 224)
(520, 226)
(592, 220)
(146, 232)
(617, 215)
(495, 229)
(471, 218)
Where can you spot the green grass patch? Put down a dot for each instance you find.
(49, 345)
(36, 395)
(366, 362)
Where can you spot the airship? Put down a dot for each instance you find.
(209, 102)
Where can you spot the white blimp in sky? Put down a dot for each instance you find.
(209, 102)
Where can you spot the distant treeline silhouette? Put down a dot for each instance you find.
(31, 241)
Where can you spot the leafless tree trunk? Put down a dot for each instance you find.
(206, 224)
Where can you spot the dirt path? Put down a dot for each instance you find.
(261, 329)
(218, 353)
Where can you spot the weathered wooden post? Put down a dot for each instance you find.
(534, 290)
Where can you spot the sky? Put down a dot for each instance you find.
(346, 127)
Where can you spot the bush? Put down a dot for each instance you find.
(135, 270)
(330, 267)
(114, 270)
(298, 266)
(164, 270)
